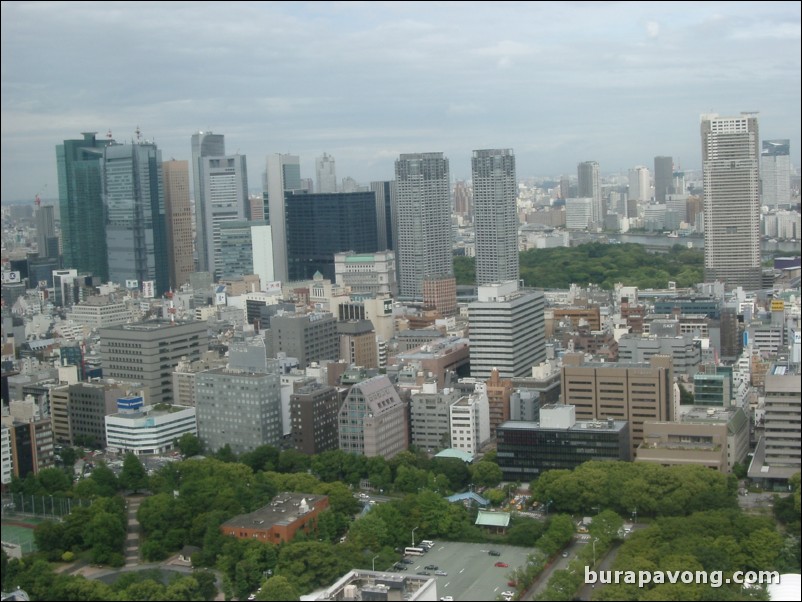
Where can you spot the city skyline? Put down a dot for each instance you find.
(558, 83)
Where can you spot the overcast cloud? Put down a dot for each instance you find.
(559, 82)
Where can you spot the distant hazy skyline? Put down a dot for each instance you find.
(557, 82)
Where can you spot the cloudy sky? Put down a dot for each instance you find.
(558, 82)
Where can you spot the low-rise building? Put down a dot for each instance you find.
(145, 430)
(280, 520)
(558, 441)
(717, 438)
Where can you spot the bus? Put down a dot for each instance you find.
(414, 551)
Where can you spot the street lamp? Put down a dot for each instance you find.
(547, 506)
(373, 561)
(413, 536)
(634, 515)
(594, 551)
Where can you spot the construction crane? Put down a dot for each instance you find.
(37, 200)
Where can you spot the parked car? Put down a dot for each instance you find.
(431, 567)
(441, 573)
(494, 553)
(407, 561)
(565, 554)
(502, 565)
(424, 573)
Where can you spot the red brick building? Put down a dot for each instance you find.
(280, 520)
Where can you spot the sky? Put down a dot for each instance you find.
(557, 82)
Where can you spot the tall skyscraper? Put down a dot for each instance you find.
(179, 221)
(283, 173)
(775, 172)
(136, 237)
(326, 174)
(204, 144)
(80, 191)
(224, 182)
(424, 222)
(320, 225)
(46, 239)
(730, 164)
(640, 188)
(386, 214)
(495, 191)
(663, 178)
(589, 186)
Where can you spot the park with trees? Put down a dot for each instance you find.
(188, 500)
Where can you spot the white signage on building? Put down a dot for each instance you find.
(132, 284)
(11, 277)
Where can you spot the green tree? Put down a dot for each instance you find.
(487, 474)
(189, 445)
(278, 588)
(606, 526)
(54, 480)
(133, 475)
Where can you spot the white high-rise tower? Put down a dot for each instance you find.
(495, 215)
(730, 163)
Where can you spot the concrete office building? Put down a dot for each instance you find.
(100, 312)
(314, 410)
(308, 337)
(31, 444)
(777, 456)
(6, 461)
(578, 213)
(358, 343)
(46, 240)
(246, 247)
(178, 213)
(81, 209)
(714, 438)
(282, 174)
(731, 171)
(469, 421)
(147, 430)
(685, 352)
(589, 186)
(631, 392)
(429, 416)
(640, 187)
(148, 352)
(664, 179)
(775, 173)
(185, 372)
(88, 404)
(225, 194)
(325, 174)
(558, 441)
(506, 331)
(495, 191)
(424, 243)
(239, 408)
(367, 272)
(373, 420)
(499, 392)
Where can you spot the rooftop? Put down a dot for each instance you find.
(285, 509)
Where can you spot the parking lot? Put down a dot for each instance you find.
(471, 571)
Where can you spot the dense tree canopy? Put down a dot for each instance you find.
(601, 264)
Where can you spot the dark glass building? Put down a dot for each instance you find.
(80, 191)
(527, 449)
(320, 225)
